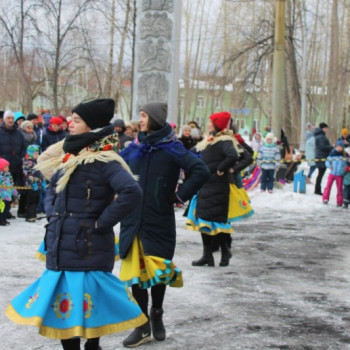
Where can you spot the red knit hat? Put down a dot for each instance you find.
(221, 120)
(56, 120)
(3, 164)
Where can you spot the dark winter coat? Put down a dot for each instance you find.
(157, 165)
(323, 147)
(213, 197)
(188, 142)
(72, 240)
(12, 148)
(50, 137)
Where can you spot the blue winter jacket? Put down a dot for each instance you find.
(157, 166)
(336, 162)
(50, 137)
(269, 156)
(72, 241)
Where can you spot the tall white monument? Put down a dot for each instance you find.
(156, 64)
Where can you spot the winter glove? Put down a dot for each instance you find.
(35, 186)
(2, 206)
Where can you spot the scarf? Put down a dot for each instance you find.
(154, 142)
(74, 143)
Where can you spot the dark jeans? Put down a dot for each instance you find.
(346, 194)
(311, 171)
(32, 200)
(321, 172)
(267, 178)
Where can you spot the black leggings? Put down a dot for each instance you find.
(74, 344)
(141, 296)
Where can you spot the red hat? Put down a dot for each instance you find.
(221, 120)
(56, 120)
(63, 118)
(3, 164)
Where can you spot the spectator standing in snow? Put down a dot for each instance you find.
(323, 148)
(336, 163)
(6, 192)
(268, 159)
(33, 179)
(310, 154)
(91, 190)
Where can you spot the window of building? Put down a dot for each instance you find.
(200, 102)
(217, 103)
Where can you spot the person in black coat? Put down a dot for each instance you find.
(148, 235)
(91, 190)
(13, 149)
(323, 148)
(209, 211)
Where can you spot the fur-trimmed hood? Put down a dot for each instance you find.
(225, 135)
(102, 150)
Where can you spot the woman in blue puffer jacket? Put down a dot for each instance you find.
(92, 189)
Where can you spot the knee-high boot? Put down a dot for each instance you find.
(207, 258)
(225, 252)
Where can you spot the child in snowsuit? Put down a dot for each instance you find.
(6, 193)
(336, 162)
(33, 179)
(268, 159)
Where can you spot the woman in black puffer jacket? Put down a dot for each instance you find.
(211, 211)
(92, 189)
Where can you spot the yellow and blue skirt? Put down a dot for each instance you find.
(148, 270)
(66, 304)
(239, 208)
(41, 252)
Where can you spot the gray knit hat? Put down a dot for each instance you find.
(158, 111)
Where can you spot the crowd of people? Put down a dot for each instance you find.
(94, 171)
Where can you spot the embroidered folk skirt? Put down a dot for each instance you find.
(66, 304)
(239, 208)
(147, 270)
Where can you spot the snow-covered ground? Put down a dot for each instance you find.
(287, 286)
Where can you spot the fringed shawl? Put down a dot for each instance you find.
(102, 150)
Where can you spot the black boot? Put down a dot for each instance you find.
(225, 252)
(139, 335)
(157, 325)
(71, 344)
(92, 344)
(207, 258)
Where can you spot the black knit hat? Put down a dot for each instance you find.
(323, 125)
(96, 113)
(32, 116)
(157, 111)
